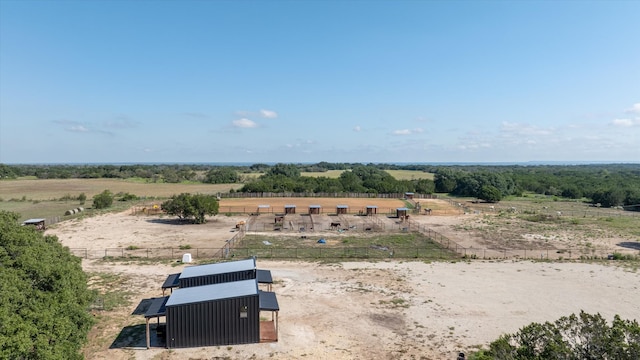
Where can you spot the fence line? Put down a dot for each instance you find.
(355, 252)
(325, 194)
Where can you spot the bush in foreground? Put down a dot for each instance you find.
(44, 299)
(573, 337)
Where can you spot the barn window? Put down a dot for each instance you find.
(244, 311)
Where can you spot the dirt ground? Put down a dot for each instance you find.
(354, 310)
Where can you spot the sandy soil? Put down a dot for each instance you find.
(354, 310)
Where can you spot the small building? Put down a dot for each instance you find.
(314, 209)
(402, 212)
(289, 209)
(408, 195)
(372, 209)
(342, 209)
(217, 314)
(38, 223)
(263, 209)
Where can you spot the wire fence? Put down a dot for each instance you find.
(448, 249)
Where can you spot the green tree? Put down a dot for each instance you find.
(489, 193)
(195, 207)
(103, 200)
(223, 175)
(574, 337)
(44, 299)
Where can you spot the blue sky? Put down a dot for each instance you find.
(310, 81)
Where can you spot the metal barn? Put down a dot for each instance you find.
(342, 209)
(217, 273)
(218, 314)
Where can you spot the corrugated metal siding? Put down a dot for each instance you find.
(217, 278)
(214, 323)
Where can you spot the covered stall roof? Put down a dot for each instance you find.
(155, 310)
(38, 223)
(264, 277)
(172, 281)
(157, 307)
(268, 301)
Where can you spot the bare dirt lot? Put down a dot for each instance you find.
(359, 310)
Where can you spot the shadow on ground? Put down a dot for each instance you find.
(134, 336)
(630, 245)
(172, 221)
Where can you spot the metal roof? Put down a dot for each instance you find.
(402, 208)
(173, 280)
(264, 276)
(372, 206)
(314, 206)
(268, 301)
(157, 307)
(33, 221)
(342, 206)
(218, 268)
(213, 292)
(289, 206)
(264, 206)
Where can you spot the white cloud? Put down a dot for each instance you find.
(402, 132)
(357, 128)
(635, 109)
(269, 114)
(244, 123)
(78, 128)
(408, 131)
(625, 122)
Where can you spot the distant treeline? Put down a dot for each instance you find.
(605, 184)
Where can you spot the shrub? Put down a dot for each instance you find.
(103, 200)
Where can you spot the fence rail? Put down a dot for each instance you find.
(325, 195)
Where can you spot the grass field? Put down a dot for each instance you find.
(43, 198)
(52, 189)
(409, 245)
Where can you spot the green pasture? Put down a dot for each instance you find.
(406, 245)
(47, 198)
(410, 174)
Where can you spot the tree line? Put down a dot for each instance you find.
(606, 185)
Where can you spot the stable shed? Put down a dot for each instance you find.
(342, 209)
(372, 209)
(218, 273)
(402, 212)
(38, 223)
(263, 208)
(408, 195)
(314, 209)
(289, 209)
(218, 314)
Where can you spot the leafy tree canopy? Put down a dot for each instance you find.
(574, 337)
(103, 200)
(195, 207)
(44, 299)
